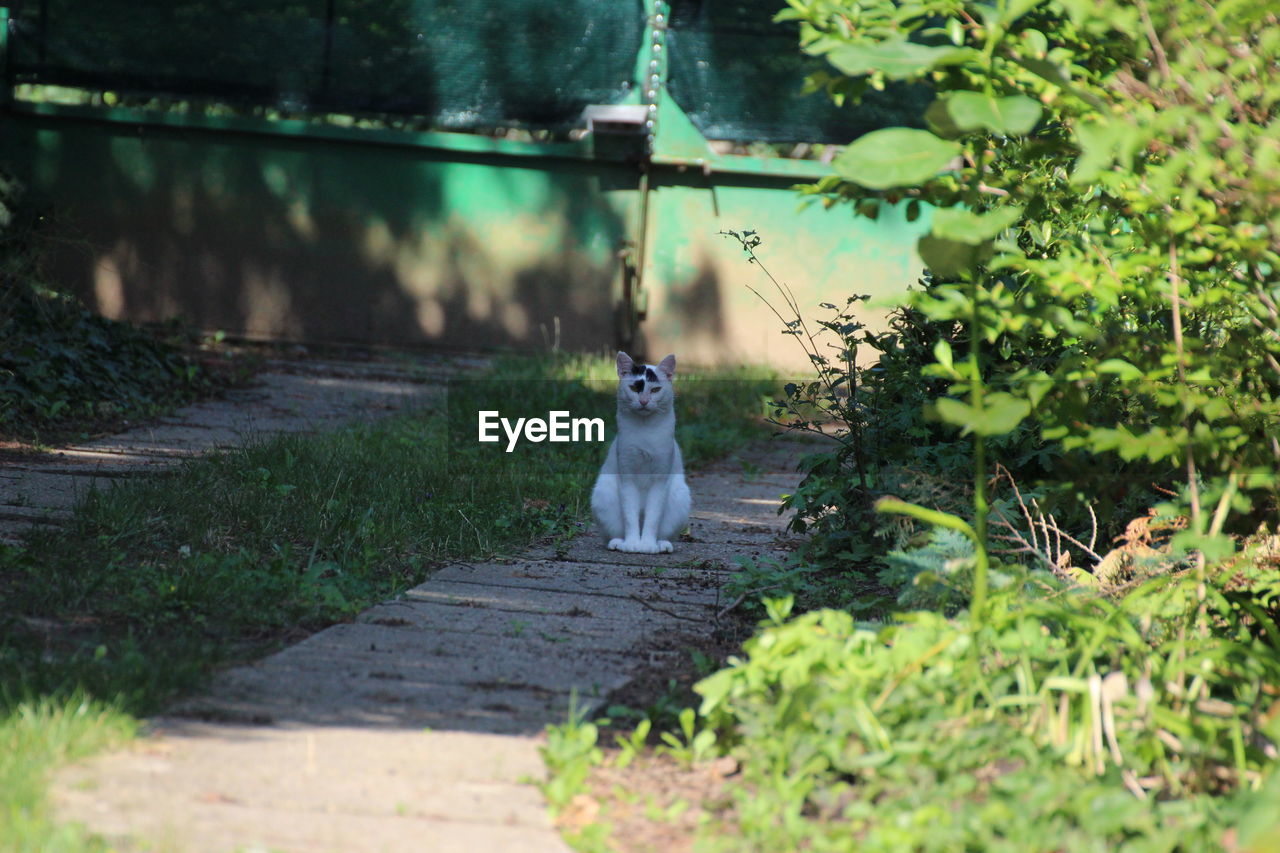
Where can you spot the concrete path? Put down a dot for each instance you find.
(416, 727)
(288, 396)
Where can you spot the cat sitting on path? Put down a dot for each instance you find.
(641, 501)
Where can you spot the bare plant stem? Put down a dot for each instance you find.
(1175, 299)
(980, 510)
(1193, 487)
(978, 605)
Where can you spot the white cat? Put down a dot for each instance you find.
(641, 501)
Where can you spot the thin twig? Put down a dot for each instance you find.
(1093, 535)
(1078, 543)
(663, 610)
(728, 608)
(1003, 471)
(1161, 59)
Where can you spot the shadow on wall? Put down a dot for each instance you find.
(324, 241)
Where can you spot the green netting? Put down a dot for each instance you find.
(453, 64)
(457, 64)
(738, 75)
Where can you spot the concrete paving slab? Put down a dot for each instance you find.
(45, 491)
(580, 605)
(613, 630)
(21, 514)
(706, 555)
(340, 789)
(514, 708)
(662, 583)
(98, 463)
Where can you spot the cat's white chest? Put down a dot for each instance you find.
(636, 455)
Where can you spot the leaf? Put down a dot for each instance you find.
(895, 157)
(1054, 73)
(942, 355)
(1082, 577)
(1213, 548)
(1097, 150)
(1036, 384)
(974, 229)
(947, 258)
(1000, 413)
(1120, 368)
(1013, 115)
(1035, 42)
(941, 122)
(896, 59)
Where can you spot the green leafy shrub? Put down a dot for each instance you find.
(1062, 718)
(1103, 178)
(934, 575)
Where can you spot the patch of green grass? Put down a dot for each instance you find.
(35, 738)
(158, 581)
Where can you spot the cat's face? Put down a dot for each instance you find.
(645, 388)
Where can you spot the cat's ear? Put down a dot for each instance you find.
(668, 367)
(624, 365)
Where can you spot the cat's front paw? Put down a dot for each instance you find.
(634, 546)
(664, 547)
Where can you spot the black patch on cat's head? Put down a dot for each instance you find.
(639, 369)
(650, 375)
(637, 386)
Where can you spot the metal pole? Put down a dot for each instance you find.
(653, 66)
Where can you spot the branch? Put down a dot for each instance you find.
(663, 610)
(728, 608)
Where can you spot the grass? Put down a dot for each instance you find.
(159, 581)
(35, 738)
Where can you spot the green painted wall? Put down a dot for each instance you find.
(301, 231)
(700, 282)
(294, 237)
(308, 239)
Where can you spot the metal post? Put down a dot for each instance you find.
(652, 74)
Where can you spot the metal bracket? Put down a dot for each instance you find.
(615, 118)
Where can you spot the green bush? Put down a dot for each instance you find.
(1103, 181)
(1063, 722)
